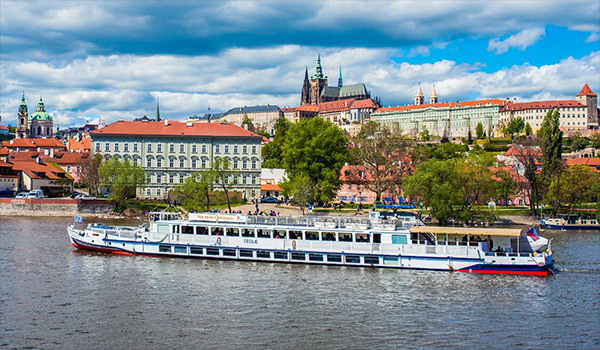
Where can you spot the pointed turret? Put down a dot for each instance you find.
(434, 97)
(40, 105)
(586, 91)
(157, 111)
(588, 98)
(340, 84)
(305, 95)
(318, 70)
(23, 106)
(419, 97)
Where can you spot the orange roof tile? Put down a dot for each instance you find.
(366, 103)
(586, 91)
(58, 158)
(591, 162)
(308, 108)
(2, 127)
(335, 106)
(41, 171)
(175, 128)
(85, 144)
(33, 143)
(520, 106)
(270, 187)
(442, 105)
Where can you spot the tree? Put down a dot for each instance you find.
(595, 140)
(382, 158)
(469, 137)
(301, 189)
(528, 129)
(224, 177)
(479, 130)
(272, 151)
(449, 150)
(551, 139)
(318, 149)
(88, 172)
(577, 186)
(527, 153)
(515, 126)
(424, 135)
(248, 123)
(578, 142)
(195, 190)
(123, 177)
(506, 186)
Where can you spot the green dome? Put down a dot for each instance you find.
(40, 116)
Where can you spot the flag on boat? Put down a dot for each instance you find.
(531, 233)
(78, 219)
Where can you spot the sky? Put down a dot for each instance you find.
(114, 59)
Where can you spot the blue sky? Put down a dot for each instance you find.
(113, 59)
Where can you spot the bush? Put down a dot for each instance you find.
(494, 147)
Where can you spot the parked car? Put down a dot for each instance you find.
(269, 200)
(35, 194)
(85, 196)
(75, 195)
(22, 195)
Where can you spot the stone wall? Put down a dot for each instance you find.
(53, 207)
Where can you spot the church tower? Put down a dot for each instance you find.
(433, 99)
(23, 120)
(340, 84)
(587, 97)
(305, 99)
(40, 122)
(419, 97)
(317, 82)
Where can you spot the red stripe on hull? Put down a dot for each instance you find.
(102, 250)
(509, 272)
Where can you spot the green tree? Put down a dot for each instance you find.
(449, 150)
(515, 126)
(382, 155)
(301, 189)
(88, 172)
(528, 129)
(247, 122)
(123, 177)
(577, 186)
(424, 135)
(479, 130)
(551, 140)
(272, 151)
(527, 153)
(224, 177)
(595, 140)
(195, 191)
(506, 186)
(578, 142)
(469, 137)
(318, 149)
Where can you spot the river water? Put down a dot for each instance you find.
(55, 297)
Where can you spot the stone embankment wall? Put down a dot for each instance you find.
(53, 207)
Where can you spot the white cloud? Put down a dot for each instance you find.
(521, 40)
(593, 37)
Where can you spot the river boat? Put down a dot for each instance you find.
(583, 219)
(393, 242)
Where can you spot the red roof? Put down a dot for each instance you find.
(586, 91)
(288, 109)
(445, 104)
(40, 171)
(4, 151)
(541, 104)
(366, 103)
(85, 144)
(175, 128)
(270, 187)
(308, 108)
(2, 127)
(335, 106)
(58, 158)
(33, 143)
(594, 163)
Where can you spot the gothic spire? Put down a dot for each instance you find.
(306, 74)
(340, 84)
(157, 111)
(319, 70)
(434, 97)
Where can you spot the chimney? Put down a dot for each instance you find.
(189, 124)
(166, 122)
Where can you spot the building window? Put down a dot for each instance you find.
(194, 149)
(253, 149)
(97, 147)
(159, 148)
(253, 164)
(181, 179)
(235, 163)
(244, 179)
(171, 148)
(204, 163)
(149, 148)
(171, 177)
(203, 148)
(148, 178)
(181, 148)
(254, 179)
(135, 147)
(171, 163)
(235, 149)
(217, 149)
(149, 162)
(147, 192)
(107, 147)
(158, 162)
(193, 162)
(245, 149)
(182, 163)
(158, 191)
(158, 178)
(244, 164)
(126, 147)
(68, 168)
(226, 149)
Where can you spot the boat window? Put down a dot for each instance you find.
(201, 230)
(188, 230)
(295, 235)
(362, 238)
(263, 254)
(353, 259)
(298, 256)
(196, 250)
(232, 232)
(229, 252)
(163, 228)
(181, 249)
(216, 231)
(279, 234)
(264, 233)
(345, 237)
(390, 260)
(280, 255)
(313, 236)
(164, 248)
(212, 251)
(175, 229)
(247, 232)
(334, 258)
(328, 236)
(399, 239)
(315, 257)
(371, 260)
(377, 238)
(244, 253)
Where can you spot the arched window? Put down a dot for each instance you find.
(39, 131)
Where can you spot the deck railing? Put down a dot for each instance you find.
(118, 231)
(331, 222)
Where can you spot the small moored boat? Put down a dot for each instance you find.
(584, 219)
(394, 242)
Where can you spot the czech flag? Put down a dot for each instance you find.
(531, 233)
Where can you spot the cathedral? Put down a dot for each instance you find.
(37, 125)
(316, 90)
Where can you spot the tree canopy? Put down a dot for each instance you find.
(479, 130)
(515, 126)
(195, 191)
(578, 185)
(272, 151)
(123, 178)
(88, 173)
